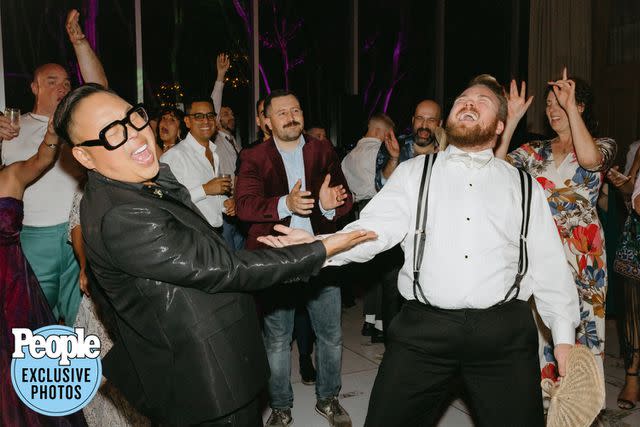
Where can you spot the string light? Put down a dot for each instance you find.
(170, 95)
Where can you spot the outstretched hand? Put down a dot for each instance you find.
(290, 236)
(565, 91)
(76, 35)
(334, 243)
(331, 197)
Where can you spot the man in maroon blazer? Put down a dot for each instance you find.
(297, 181)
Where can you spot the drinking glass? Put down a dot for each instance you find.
(13, 114)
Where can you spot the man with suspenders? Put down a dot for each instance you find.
(479, 240)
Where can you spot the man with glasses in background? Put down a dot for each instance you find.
(426, 119)
(196, 165)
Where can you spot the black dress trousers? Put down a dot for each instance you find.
(493, 352)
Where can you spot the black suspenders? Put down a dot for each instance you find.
(419, 237)
(421, 222)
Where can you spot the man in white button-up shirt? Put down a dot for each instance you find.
(470, 262)
(196, 165)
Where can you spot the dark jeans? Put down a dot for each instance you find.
(303, 331)
(324, 308)
(493, 352)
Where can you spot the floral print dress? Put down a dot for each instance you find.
(572, 193)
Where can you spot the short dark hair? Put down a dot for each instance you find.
(62, 116)
(491, 83)
(584, 97)
(189, 105)
(278, 93)
(258, 104)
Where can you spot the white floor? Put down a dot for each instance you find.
(360, 360)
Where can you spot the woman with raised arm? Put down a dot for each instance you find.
(22, 303)
(571, 168)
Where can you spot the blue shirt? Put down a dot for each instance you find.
(294, 167)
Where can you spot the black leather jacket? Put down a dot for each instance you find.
(187, 346)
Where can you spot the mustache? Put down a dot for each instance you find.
(290, 124)
(424, 129)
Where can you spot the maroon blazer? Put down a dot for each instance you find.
(262, 180)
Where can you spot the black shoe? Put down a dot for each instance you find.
(333, 412)
(368, 329)
(307, 371)
(377, 337)
(279, 418)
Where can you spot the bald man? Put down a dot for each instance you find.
(47, 202)
(425, 122)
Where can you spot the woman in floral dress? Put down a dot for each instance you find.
(571, 169)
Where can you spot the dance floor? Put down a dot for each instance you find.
(360, 360)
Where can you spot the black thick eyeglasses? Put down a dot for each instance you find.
(201, 116)
(115, 133)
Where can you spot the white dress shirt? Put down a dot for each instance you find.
(48, 200)
(472, 244)
(227, 150)
(359, 168)
(191, 167)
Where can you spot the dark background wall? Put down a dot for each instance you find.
(397, 52)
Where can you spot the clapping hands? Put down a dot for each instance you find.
(331, 197)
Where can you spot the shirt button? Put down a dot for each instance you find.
(470, 185)
(466, 257)
(468, 219)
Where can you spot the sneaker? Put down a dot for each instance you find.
(307, 371)
(279, 418)
(334, 412)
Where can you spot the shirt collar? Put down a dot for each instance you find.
(298, 148)
(369, 140)
(39, 117)
(164, 178)
(477, 159)
(195, 145)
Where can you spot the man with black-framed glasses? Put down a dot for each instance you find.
(187, 349)
(196, 164)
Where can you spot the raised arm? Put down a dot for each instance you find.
(222, 66)
(518, 104)
(90, 66)
(589, 156)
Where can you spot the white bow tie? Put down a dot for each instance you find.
(476, 160)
